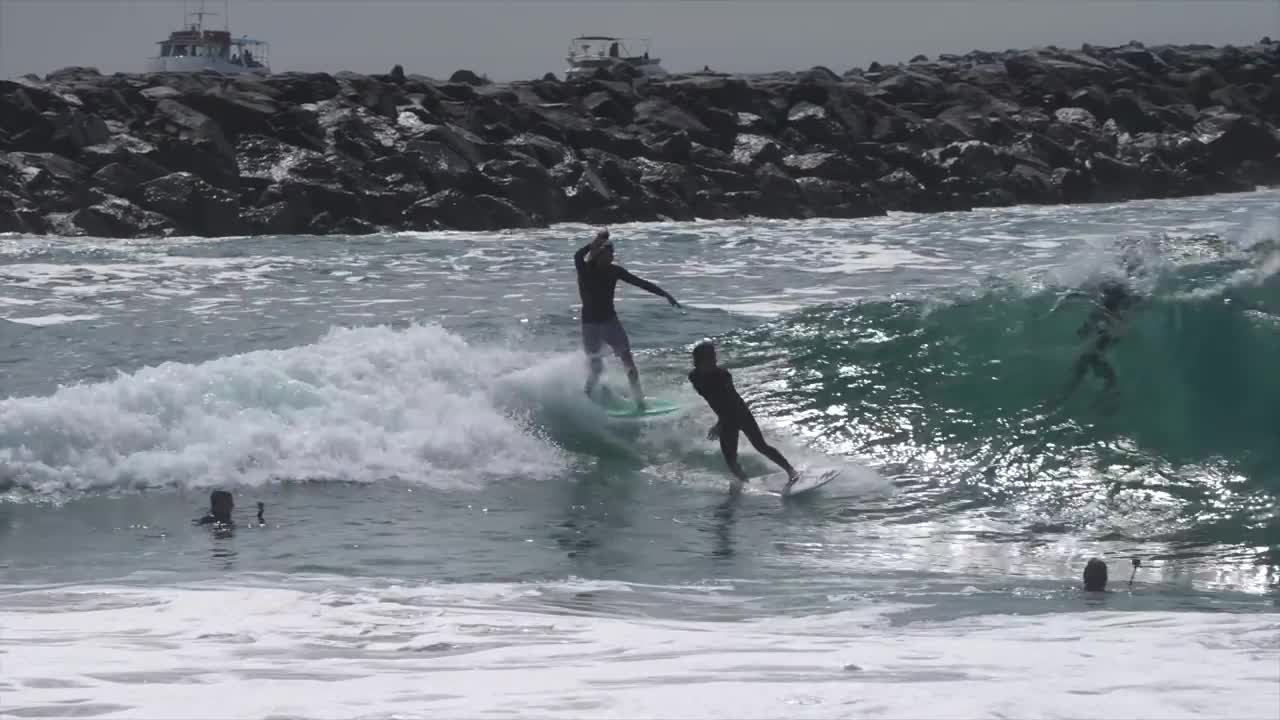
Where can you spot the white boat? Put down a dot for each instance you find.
(589, 53)
(195, 49)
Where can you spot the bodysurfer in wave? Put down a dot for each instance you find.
(598, 277)
(1113, 302)
(715, 385)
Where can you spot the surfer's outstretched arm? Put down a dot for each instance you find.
(645, 285)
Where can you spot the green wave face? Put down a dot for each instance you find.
(960, 395)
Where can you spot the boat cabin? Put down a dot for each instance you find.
(588, 53)
(194, 49)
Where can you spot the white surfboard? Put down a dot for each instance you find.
(776, 483)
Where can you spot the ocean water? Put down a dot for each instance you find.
(452, 529)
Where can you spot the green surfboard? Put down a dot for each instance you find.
(617, 405)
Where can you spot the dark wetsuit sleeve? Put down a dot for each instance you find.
(716, 387)
(630, 279)
(580, 257)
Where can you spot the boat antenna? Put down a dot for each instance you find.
(201, 15)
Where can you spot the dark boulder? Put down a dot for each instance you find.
(829, 166)
(73, 74)
(754, 150)
(672, 147)
(529, 187)
(1235, 138)
(118, 218)
(832, 198)
(235, 113)
(814, 123)
(17, 215)
(117, 179)
(53, 183)
(545, 150)
(195, 206)
(605, 106)
(442, 165)
(661, 115)
(780, 195)
(456, 210)
(278, 218)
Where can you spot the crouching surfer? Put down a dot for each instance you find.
(715, 385)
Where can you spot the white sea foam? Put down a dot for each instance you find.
(360, 405)
(323, 648)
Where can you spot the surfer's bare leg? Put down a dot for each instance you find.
(729, 448)
(621, 344)
(1077, 374)
(1103, 369)
(593, 375)
(592, 342)
(637, 392)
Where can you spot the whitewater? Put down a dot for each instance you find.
(452, 529)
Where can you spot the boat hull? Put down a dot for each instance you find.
(649, 69)
(201, 64)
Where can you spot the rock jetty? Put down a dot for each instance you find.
(144, 155)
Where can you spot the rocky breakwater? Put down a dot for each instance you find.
(138, 155)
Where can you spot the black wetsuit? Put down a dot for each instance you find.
(716, 386)
(1115, 298)
(596, 285)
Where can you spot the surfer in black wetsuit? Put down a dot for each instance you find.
(598, 277)
(715, 385)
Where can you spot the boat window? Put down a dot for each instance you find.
(179, 51)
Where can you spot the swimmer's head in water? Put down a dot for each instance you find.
(221, 504)
(1095, 575)
(704, 355)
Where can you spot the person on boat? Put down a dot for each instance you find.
(598, 278)
(733, 416)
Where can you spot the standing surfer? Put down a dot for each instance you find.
(598, 277)
(715, 385)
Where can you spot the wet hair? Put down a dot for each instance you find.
(703, 352)
(1095, 575)
(603, 234)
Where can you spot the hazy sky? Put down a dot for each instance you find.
(515, 39)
